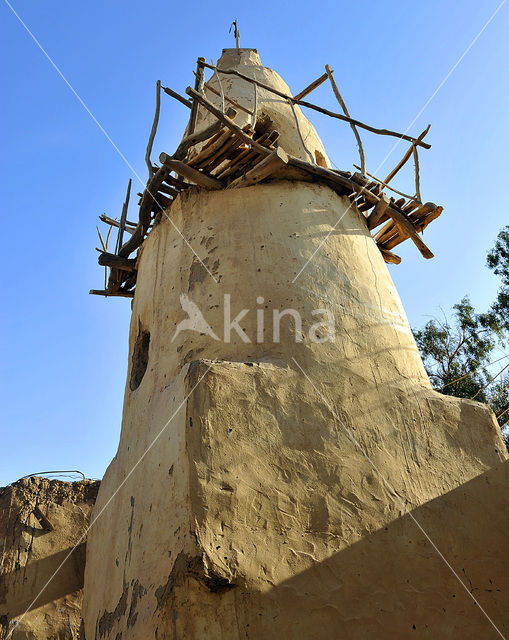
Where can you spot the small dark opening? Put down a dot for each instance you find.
(140, 358)
(263, 125)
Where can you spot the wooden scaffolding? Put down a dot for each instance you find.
(231, 157)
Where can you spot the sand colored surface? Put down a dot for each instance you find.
(40, 522)
(263, 484)
(256, 515)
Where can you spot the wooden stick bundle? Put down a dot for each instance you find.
(200, 136)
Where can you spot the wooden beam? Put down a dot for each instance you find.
(161, 202)
(201, 136)
(325, 174)
(309, 105)
(423, 210)
(407, 155)
(170, 191)
(177, 96)
(247, 156)
(43, 520)
(375, 217)
(123, 217)
(147, 202)
(406, 227)
(342, 104)
(198, 177)
(112, 260)
(416, 173)
(390, 237)
(364, 206)
(114, 223)
(386, 231)
(208, 151)
(422, 223)
(262, 170)
(175, 182)
(388, 256)
(119, 293)
(311, 87)
(197, 83)
(386, 186)
(153, 130)
(410, 206)
(226, 151)
(226, 121)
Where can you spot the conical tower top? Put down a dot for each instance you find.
(260, 107)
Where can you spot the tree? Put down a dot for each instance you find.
(498, 262)
(460, 354)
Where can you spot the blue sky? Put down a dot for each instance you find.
(64, 351)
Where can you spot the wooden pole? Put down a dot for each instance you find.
(209, 150)
(416, 168)
(375, 217)
(147, 202)
(197, 85)
(388, 256)
(382, 183)
(247, 156)
(345, 110)
(114, 223)
(255, 104)
(119, 293)
(407, 228)
(198, 177)
(407, 155)
(177, 96)
(123, 217)
(111, 260)
(153, 130)
(332, 114)
(262, 170)
(314, 85)
(221, 92)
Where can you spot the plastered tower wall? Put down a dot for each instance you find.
(245, 463)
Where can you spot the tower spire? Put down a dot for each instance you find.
(236, 33)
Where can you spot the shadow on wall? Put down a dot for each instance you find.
(19, 588)
(394, 584)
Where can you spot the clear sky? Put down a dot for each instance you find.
(64, 352)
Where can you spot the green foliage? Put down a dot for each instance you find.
(498, 262)
(460, 353)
